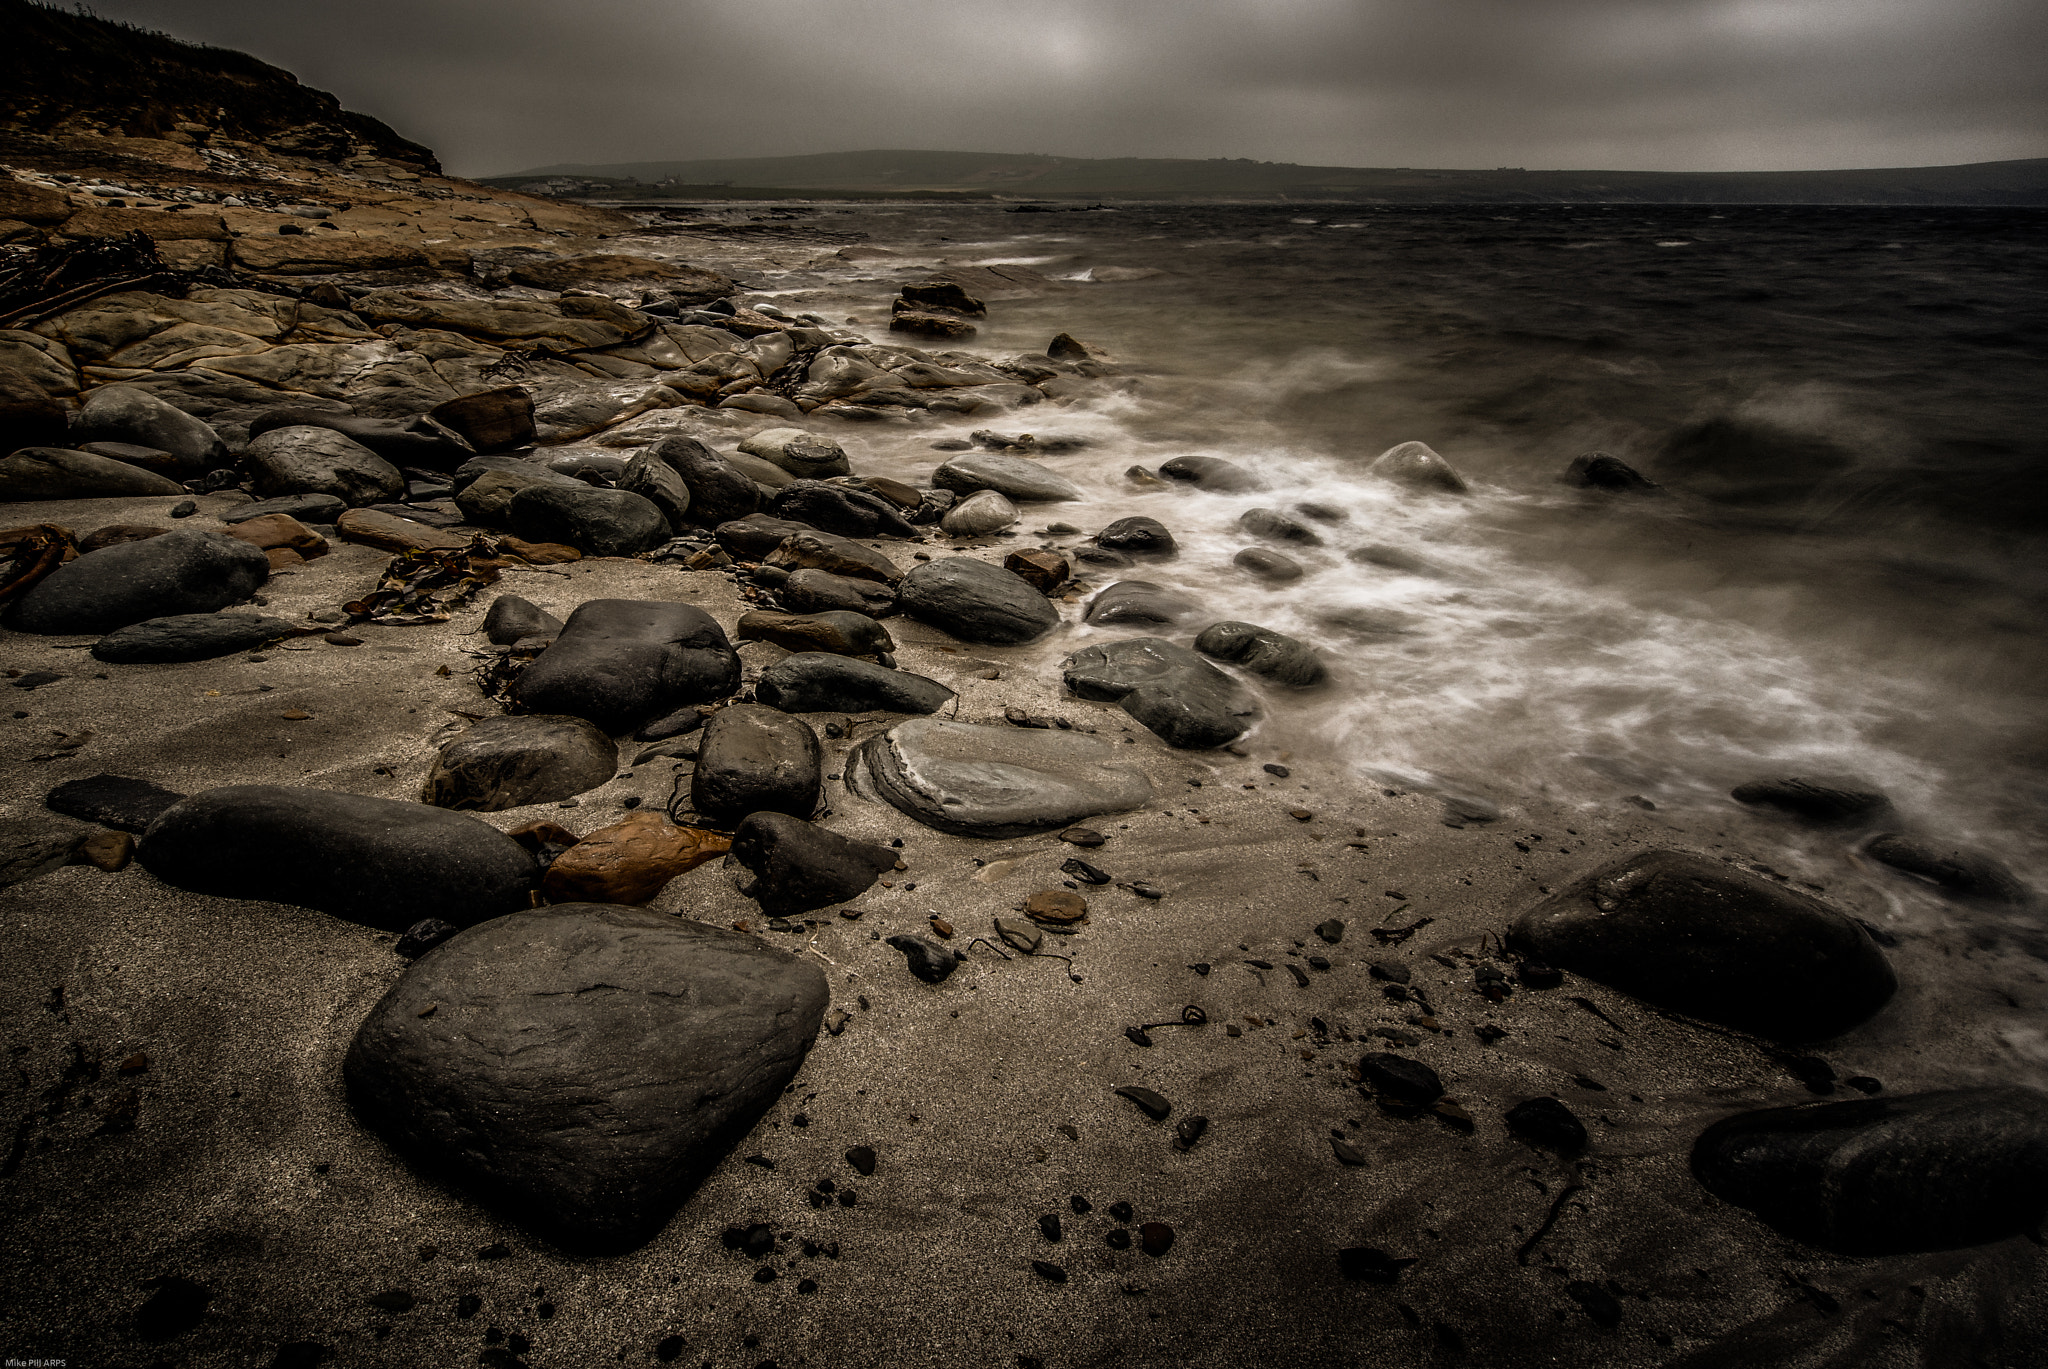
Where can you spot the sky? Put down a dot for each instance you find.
(499, 86)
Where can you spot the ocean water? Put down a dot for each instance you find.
(1844, 574)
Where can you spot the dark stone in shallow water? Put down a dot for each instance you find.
(1599, 471)
(1210, 473)
(1183, 699)
(976, 602)
(1137, 537)
(1878, 1176)
(1273, 655)
(1969, 873)
(584, 1065)
(1699, 936)
(1817, 800)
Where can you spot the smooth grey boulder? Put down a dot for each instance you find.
(188, 637)
(753, 537)
(843, 510)
(1138, 536)
(753, 758)
(769, 476)
(306, 508)
(511, 618)
(122, 802)
(820, 592)
(839, 632)
(1699, 936)
(1138, 602)
(188, 571)
(979, 514)
(1953, 869)
(380, 862)
(584, 1065)
(820, 682)
(719, 492)
(1210, 473)
(1015, 477)
(1415, 465)
(620, 662)
(1889, 1175)
(984, 781)
(128, 413)
(501, 763)
(306, 460)
(1184, 700)
(1275, 526)
(1817, 800)
(798, 866)
(1269, 566)
(1268, 654)
(598, 522)
(418, 441)
(806, 456)
(61, 473)
(654, 480)
(976, 602)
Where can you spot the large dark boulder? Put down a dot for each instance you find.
(821, 682)
(1138, 603)
(821, 592)
(1186, 701)
(976, 602)
(619, 662)
(1016, 478)
(29, 417)
(188, 571)
(1139, 536)
(128, 413)
(1699, 936)
(1268, 654)
(509, 762)
(511, 619)
(719, 492)
(798, 866)
(583, 1066)
(1210, 473)
(753, 759)
(1953, 869)
(844, 510)
(490, 420)
(753, 537)
(307, 460)
(987, 781)
(189, 637)
(600, 522)
(654, 480)
(61, 473)
(1887, 1176)
(813, 550)
(380, 862)
(400, 441)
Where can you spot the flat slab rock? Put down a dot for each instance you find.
(1879, 1176)
(189, 637)
(1699, 936)
(978, 780)
(582, 1066)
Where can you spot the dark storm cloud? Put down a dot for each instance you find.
(501, 85)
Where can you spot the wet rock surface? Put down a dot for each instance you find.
(817, 681)
(1016, 478)
(179, 573)
(1184, 700)
(995, 781)
(976, 602)
(1261, 651)
(619, 662)
(756, 758)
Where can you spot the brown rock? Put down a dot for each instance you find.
(388, 532)
(279, 530)
(490, 420)
(323, 254)
(106, 851)
(538, 553)
(931, 325)
(113, 534)
(162, 227)
(282, 558)
(629, 861)
(1045, 571)
(688, 284)
(32, 203)
(1082, 836)
(1056, 907)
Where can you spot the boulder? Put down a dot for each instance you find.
(598, 522)
(654, 480)
(511, 618)
(509, 762)
(1413, 464)
(844, 634)
(29, 416)
(754, 758)
(943, 295)
(1016, 478)
(1826, 801)
(61, 473)
(1275, 526)
(188, 571)
(804, 455)
(393, 532)
(620, 662)
(628, 862)
(121, 802)
(402, 441)
(843, 510)
(1396, 559)
(1953, 869)
(1140, 602)
(766, 474)
(978, 515)
(490, 420)
(819, 591)
(753, 537)
(1137, 537)
(584, 1065)
(1183, 699)
(149, 458)
(128, 413)
(306, 460)
(719, 492)
(306, 508)
(991, 781)
(380, 862)
(1210, 473)
(188, 637)
(1699, 936)
(276, 530)
(1887, 1176)
(820, 682)
(1269, 566)
(1268, 654)
(976, 602)
(798, 866)
(834, 555)
(487, 500)
(923, 323)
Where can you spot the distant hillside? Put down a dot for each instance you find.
(1032, 176)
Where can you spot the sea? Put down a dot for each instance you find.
(1842, 575)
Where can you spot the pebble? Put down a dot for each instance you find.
(1137, 1036)
(1118, 1239)
(1155, 1238)
(1083, 871)
(1082, 836)
(1188, 1131)
(1020, 936)
(1153, 1105)
(1147, 891)
(1056, 907)
(1300, 814)
(1048, 1270)
(1049, 1227)
(341, 639)
(927, 959)
(1393, 971)
(1331, 931)
(1279, 771)
(1346, 1153)
(1081, 1206)
(1122, 1212)
(1402, 1079)
(184, 508)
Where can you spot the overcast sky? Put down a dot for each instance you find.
(498, 86)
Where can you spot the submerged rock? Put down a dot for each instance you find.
(1016, 478)
(1972, 874)
(1599, 471)
(1138, 602)
(1137, 537)
(1882, 1176)
(1186, 701)
(1415, 465)
(619, 662)
(1269, 566)
(1815, 800)
(1275, 526)
(583, 1066)
(1210, 473)
(988, 781)
(1701, 937)
(509, 762)
(1264, 652)
(979, 514)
